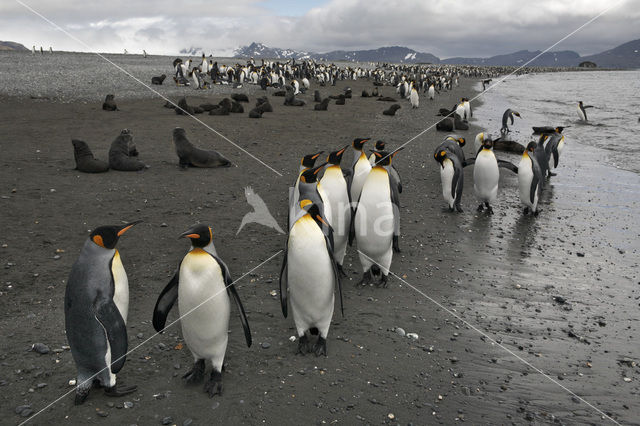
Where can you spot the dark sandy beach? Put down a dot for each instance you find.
(560, 291)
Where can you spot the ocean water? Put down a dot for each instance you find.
(552, 98)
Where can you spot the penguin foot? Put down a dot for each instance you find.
(537, 212)
(341, 271)
(366, 279)
(121, 390)
(480, 207)
(303, 345)
(196, 374)
(526, 210)
(552, 174)
(81, 395)
(459, 208)
(489, 209)
(214, 384)
(383, 281)
(320, 347)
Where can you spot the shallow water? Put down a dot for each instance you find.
(552, 99)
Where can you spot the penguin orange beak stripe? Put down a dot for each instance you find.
(193, 236)
(127, 227)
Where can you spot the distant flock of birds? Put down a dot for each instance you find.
(330, 207)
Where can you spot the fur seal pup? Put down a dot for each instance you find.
(236, 107)
(122, 152)
(392, 110)
(240, 97)
(184, 108)
(158, 80)
(264, 104)
(374, 93)
(445, 125)
(290, 97)
(109, 104)
(190, 155)
(386, 99)
(322, 106)
(459, 123)
(365, 94)
(316, 96)
(280, 93)
(85, 161)
(341, 100)
(169, 105)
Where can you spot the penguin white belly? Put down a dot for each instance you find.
(325, 200)
(486, 176)
(432, 92)
(360, 173)
(446, 177)
(461, 112)
(467, 109)
(415, 100)
(374, 221)
(202, 294)
(310, 277)
(525, 176)
(121, 285)
(581, 114)
(560, 146)
(337, 205)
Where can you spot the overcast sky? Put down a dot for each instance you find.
(445, 28)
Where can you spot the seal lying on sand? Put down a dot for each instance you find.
(158, 80)
(189, 155)
(109, 104)
(122, 152)
(85, 161)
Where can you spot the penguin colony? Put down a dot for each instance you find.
(331, 206)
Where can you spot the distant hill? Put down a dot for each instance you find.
(11, 45)
(624, 56)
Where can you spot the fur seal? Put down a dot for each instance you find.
(386, 99)
(85, 161)
(365, 94)
(263, 103)
(240, 97)
(122, 152)
(184, 108)
(290, 97)
(341, 100)
(109, 104)
(158, 80)
(445, 125)
(236, 107)
(316, 96)
(280, 93)
(322, 106)
(190, 155)
(392, 110)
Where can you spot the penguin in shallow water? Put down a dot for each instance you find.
(377, 220)
(529, 179)
(199, 285)
(96, 306)
(339, 204)
(582, 111)
(309, 277)
(554, 147)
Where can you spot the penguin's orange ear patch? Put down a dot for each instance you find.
(443, 153)
(98, 240)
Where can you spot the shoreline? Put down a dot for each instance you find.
(470, 263)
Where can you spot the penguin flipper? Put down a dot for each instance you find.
(231, 290)
(534, 188)
(508, 165)
(109, 317)
(397, 177)
(284, 283)
(556, 156)
(395, 199)
(165, 302)
(457, 177)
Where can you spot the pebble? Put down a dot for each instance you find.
(21, 408)
(72, 382)
(41, 348)
(391, 416)
(163, 225)
(102, 413)
(413, 336)
(400, 332)
(292, 338)
(627, 379)
(265, 345)
(167, 420)
(177, 366)
(215, 405)
(128, 404)
(41, 385)
(453, 359)
(187, 422)
(139, 335)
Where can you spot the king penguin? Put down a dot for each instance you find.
(96, 306)
(529, 179)
(339, 204)
(414, 98)
(432, 92)
(451, 176)
(377, 220)
(478, 142)
(307, 162)
(486, 176)
(582, 111)
(309, 277)
(360, 168)
(380, 146)
(199, 285)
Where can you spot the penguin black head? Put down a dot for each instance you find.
(461, 141)
(309, 160)
(487, 143)
(380, 146)
(107, 236)
(559, 129)
(358, 143)
(531, 147)
(336, 156)
(516, 113)
(440, 157)
(200, 235)
(311, 175)
(314, 211)
(384, 158)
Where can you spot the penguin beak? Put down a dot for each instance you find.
(189, 234)
(397, 150)
(126, 227)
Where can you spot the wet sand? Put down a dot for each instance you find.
(502, 274)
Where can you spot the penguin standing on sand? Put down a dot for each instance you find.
(414, 98)
(96, 306)
(309, 277)
(199, 285)
(486, 175)
(451, 176)
(554, 147)
(582, 111)
(339, 204)
(478, 142)
(377, 221)
(529, 179)
(508, 114)
(432, 92)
